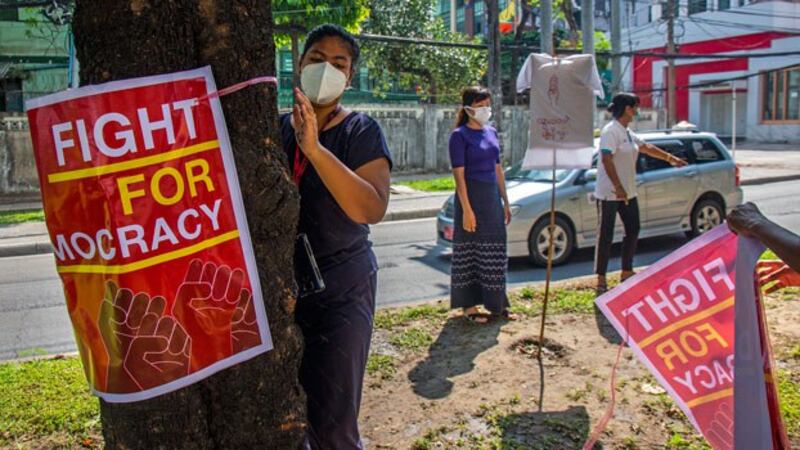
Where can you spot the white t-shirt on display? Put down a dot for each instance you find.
(562, 110)
(623, 144)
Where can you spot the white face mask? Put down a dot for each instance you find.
(481, 115)
(322, 83)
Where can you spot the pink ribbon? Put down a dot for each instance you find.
(239, 86)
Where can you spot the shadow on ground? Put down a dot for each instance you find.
(453, 353)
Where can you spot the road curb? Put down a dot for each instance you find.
(411, 214)
(767, 180)
(44, 246)
(25, 249)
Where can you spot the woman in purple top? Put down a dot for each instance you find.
(480, 262)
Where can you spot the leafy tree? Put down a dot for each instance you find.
(435, 72)
(295, 18)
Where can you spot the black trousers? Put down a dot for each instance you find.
(337, 328)
(607, 211)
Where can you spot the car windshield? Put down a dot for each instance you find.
(543, 176)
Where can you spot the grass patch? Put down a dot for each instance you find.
(44, 398)
(789, 389)
(390, 318)
(529, 301)
(679, 441)
(14, 217)
(499, 427)
(383, 366)
(433, 185)
(769, 254)
(413, 339)
(787, 294)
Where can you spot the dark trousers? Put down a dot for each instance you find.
(607, 211)
(337, 329)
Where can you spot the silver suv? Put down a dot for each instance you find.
(691, 199)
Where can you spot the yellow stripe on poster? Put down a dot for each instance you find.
(149, 262)
(710, 397)
(133, 164)
(687, 321)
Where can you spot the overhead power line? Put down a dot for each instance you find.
(747, 26)
(534, 48)
(720, 81)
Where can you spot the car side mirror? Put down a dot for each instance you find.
(589, 176)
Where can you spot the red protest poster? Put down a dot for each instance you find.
(680, 318)
(145, 214)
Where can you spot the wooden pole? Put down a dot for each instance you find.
(551, 244)
(549, 276)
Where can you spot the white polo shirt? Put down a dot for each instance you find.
(623, 144)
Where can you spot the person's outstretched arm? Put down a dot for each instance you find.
(748, 221)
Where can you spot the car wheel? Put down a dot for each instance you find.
(539, 241)
(706, 214)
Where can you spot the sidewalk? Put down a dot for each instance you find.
(765, 164)
(31, 238)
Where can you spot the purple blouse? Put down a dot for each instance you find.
(477, 151)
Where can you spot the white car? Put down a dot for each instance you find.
(691, 199)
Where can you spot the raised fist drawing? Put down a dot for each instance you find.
(778, 272)
(205, 305)
(244, 328)
(145, 347)
(720, 432)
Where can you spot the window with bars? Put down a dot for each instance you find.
(697, 6)
(9, 14)
(480, 16)
(11, 99)
(676, 9)
(780, 96)
(444, 12)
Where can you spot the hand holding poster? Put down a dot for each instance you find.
(145, 214)
(678, 317)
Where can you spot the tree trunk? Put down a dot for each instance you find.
(259, 403)
(526, 14)
(295, 57)
(566, 7)
(434, 91)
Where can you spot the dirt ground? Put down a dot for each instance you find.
(479, 386)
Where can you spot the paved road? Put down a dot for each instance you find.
(413, 268)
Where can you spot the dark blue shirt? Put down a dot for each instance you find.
(341, 246)
(477, 151)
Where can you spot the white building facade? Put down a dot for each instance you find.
(767, 104)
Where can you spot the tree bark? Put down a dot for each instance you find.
(295, 58)
(257, 404)
(434, 91)
(566, 7)
(526, 14)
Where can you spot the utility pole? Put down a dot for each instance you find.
(587, 30)
(546, 31)
(495, 75)
(616, 44)
(671, 113)
(587, 25)
(733, 124)
(453, 16)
